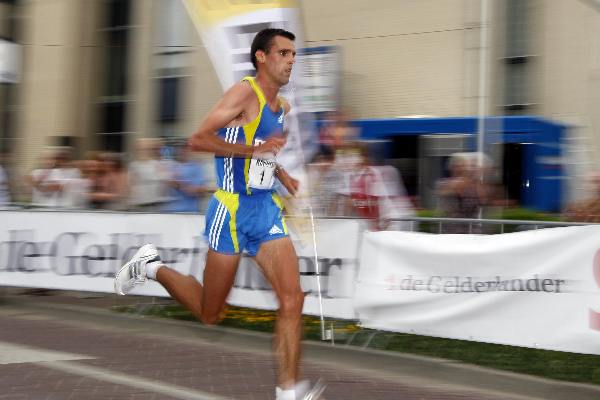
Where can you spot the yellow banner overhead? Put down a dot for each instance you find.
(214, 11)
(227, 28)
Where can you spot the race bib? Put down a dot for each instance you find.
(261, 174)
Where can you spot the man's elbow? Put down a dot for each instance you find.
(197, 144)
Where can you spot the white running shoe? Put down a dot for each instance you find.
(312, 393)
(134, 271)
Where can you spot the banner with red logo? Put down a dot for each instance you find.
(536, 289)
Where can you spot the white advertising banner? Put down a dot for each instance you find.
(536, 288)
(82, 251)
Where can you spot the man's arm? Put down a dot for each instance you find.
(291, 185)
(286, 105)
(233, 103)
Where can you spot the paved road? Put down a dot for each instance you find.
(66, 346)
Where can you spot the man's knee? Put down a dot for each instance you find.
(291, 303)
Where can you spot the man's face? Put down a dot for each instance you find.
(280, 59)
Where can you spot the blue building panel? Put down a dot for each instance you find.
(542, 167)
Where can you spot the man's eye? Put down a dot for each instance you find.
(283, 52)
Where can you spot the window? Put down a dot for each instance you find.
(518, 58)
(113, 103)
(168, 98)
(118, 13)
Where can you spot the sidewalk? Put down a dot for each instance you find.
(71, 346)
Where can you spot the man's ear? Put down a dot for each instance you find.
(260, 56)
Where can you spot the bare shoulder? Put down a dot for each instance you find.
(286, 105)
(236, 101)
(240, 93)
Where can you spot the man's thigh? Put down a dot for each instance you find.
(219, 275)
(278, 260)
(266, 222)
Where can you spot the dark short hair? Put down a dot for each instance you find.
(264, 40)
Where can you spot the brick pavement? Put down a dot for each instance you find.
(197, 360)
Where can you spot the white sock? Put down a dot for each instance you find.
(281, 394)
(152, 269)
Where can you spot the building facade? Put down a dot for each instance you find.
(97, 74)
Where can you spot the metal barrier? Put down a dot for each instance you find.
(415, 224)
(473, 223)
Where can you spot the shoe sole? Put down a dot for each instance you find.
(116, 280)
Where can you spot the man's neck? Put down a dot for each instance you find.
(269, 88)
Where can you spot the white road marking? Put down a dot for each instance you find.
(16, 354)
(178, 392)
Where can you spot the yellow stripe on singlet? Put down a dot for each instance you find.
(251, 127)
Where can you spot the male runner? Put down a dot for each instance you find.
(244, 213)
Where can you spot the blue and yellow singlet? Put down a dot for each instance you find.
(245, 211)
(250, 176)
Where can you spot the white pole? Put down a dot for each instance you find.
(318, 272)
(483, 47)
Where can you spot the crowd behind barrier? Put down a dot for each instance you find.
(346, 177)
(151, 181)
(342, 181)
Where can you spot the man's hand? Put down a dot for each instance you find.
(291, 185)
(271, 146)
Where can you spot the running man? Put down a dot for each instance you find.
(244, 213)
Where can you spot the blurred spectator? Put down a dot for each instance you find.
(39, 196)
(334, 163)
(148, 175)
(57, 184)
(4, 184)
(378, 194)
(335, 133)
(187, 183)
(109, 186)
(88, 169)
(323, 180)
(463, 194)
(586, 210)
(345, 163)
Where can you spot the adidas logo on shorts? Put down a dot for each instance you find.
(275, 230)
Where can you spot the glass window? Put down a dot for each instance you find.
(168, 99)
